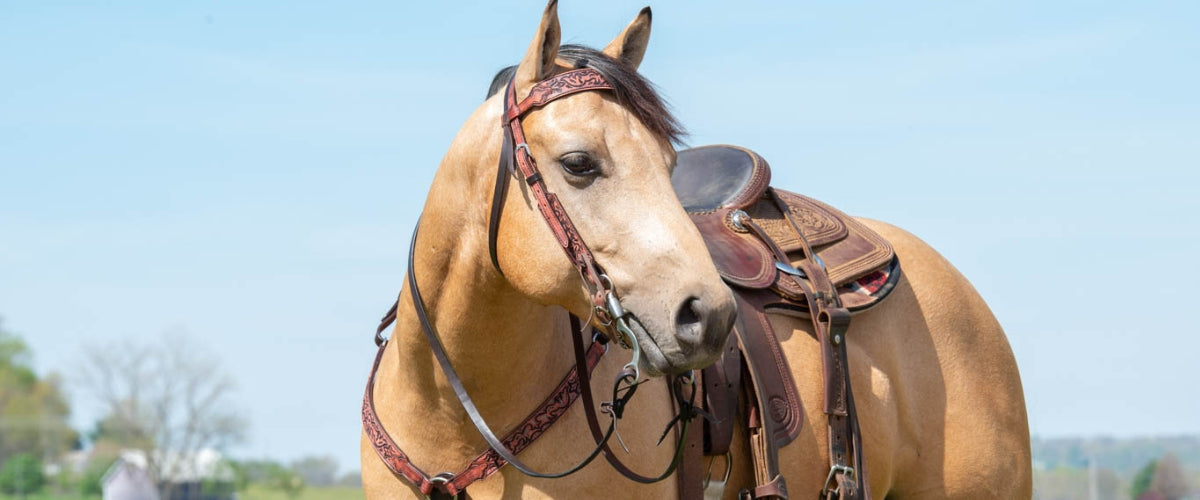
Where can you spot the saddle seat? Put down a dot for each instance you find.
(759, 239)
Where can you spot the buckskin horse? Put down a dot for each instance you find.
(483, 388)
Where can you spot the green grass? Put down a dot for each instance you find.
(49, 496)
(253, 493)
(310, 493)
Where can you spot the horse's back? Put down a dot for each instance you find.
(936, 385)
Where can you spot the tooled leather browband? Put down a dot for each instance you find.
(560, 85)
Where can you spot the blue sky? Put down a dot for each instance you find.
(250, 172)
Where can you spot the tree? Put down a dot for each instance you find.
(287, 481)
(33, 410)
(269, 474)
(249, 472)
(1108, 485)
(1141, 481)
(241, 475)
(22, 475)
(352, 479)
(1168, 479)
(91, 484)
(168, 399)
(317, 471)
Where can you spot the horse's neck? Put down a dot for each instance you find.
(509, 351)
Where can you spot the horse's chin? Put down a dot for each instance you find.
(657, 361)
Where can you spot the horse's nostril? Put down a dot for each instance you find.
(689, 325)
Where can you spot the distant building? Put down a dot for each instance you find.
(199, 476)
(73, 463)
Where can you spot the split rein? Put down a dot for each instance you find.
(515, 159)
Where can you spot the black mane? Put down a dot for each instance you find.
(632, 90)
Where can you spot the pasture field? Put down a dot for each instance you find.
(252, 493)
(310, 493)
(48, 496)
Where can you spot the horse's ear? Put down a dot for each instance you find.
(629, 46)
(538, 63)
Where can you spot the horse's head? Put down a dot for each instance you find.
(608, 155)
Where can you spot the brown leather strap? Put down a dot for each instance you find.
(614, 409)
(830, 323)
(566, 234)
(503, 171)
(488, 462)
(770, 369)
(560, 85)
(760, 428)
(388, 318)
(722, 381)
(484, 465)
(439, 353)
(519, 159)
(690, 475)
(773, 489)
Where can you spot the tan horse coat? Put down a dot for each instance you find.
(937, 387)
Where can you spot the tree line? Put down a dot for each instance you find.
(34, 414)
(1105, 468)
(162, 400)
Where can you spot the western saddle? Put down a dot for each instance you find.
(784, 253)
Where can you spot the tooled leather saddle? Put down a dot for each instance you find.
(780, 253)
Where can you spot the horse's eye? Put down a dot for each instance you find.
(578, 163)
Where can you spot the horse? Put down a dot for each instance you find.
(939, 395)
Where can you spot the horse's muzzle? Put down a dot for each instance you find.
(702, 325)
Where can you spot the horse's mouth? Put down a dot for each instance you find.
(655, 360)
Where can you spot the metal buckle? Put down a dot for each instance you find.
(833, 471)
(715, 490)
(440, 480)
(596, 338)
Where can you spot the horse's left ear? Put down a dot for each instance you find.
(630, 45)
(538, 63)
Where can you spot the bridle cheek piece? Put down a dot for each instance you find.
(516, 159)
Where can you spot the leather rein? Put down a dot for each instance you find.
(516, 159)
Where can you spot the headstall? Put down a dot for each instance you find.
(516, 159)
